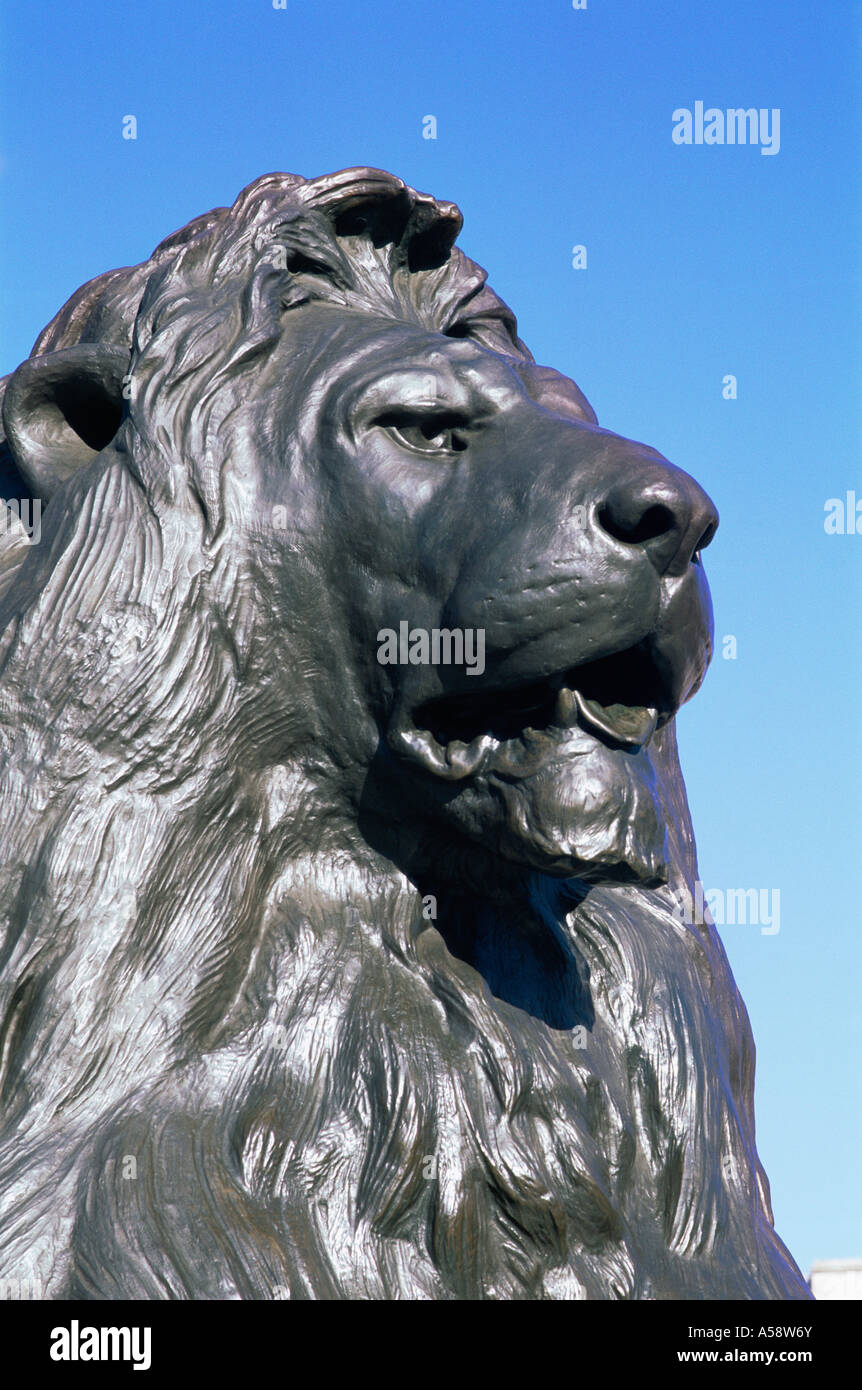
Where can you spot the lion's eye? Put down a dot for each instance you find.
(430, 434)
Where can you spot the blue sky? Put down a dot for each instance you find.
(554, 129)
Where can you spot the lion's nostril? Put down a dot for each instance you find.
(634, 525)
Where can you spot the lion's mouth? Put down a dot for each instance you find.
(619, 700)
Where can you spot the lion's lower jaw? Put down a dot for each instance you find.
(597, 817)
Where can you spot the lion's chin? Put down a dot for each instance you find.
(560, 801)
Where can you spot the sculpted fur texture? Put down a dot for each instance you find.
(324, 977)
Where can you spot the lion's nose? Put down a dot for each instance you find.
(670, 517)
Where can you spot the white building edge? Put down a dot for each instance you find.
(836, 1279)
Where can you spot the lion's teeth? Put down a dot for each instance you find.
(464, 758)
(451, 761)
(565, 709)
(421, 744)
(633, 725)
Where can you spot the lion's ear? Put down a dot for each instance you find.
(60, 409)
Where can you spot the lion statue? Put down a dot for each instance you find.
(326, 976)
